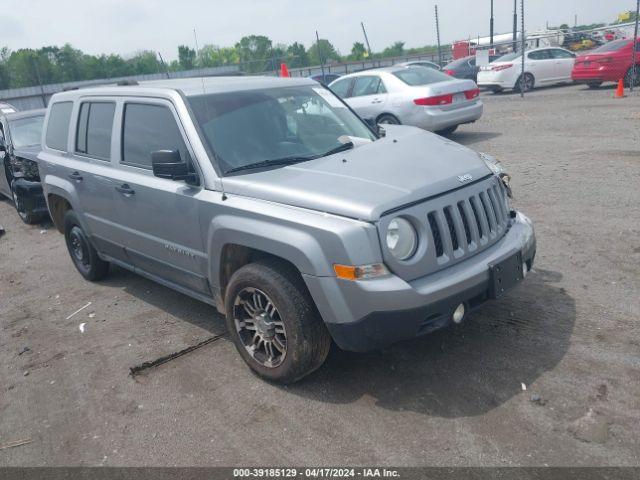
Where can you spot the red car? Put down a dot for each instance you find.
(608, 63)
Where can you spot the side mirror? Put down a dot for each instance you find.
(373, 124)
(168, 164)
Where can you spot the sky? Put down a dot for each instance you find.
(127, 26)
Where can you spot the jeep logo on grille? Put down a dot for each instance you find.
(465, 178)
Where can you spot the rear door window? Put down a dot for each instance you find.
(58, 125)
(368, 86)
(540, 55)
(559, 54)
(95, 128)
(148, 128)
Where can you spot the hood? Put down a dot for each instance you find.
(406, 166)
(30, 152)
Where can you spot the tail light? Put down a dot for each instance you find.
(498, 68)
(450, 72)
(435, 101)
(471, 94)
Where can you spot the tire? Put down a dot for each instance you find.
(529, 83)
(291, 341)
(594, 85)
(447, 131)
(84, 256)
(388, 119)
(27, 216)
(628, 75)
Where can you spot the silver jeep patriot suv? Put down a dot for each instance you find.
(272, 200)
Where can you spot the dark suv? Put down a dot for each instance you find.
(20, 138)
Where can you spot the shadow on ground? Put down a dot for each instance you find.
(461, 371)
(470, 138)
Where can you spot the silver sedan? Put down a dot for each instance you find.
(418, 96)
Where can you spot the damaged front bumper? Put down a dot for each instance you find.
(30, 196)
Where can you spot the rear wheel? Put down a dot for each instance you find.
(628, 78)
(388, 119)
(274, 323)
(525, 83)
(594, 85)
(447, 131)
(26, 215)
(84, 256)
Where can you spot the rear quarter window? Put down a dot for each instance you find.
(58, 125)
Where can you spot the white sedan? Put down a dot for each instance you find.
(417, 96)
(542, 67)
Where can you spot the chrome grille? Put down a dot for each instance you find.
(456, 225)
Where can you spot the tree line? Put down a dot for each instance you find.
(254, 54)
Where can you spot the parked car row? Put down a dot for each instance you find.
(411, 95)
(272, 200)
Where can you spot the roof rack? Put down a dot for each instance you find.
(68, 89)
(127, 83)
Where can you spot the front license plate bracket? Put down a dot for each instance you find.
(505, 274)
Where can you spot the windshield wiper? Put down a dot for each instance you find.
(289, 160)
(340, 148)
(269, 163)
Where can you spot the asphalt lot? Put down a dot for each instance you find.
(570, 335)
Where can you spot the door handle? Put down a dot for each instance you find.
(75, 176)
(376, 101)
(125, 189)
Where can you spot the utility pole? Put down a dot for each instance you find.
(491, 27)
(524, 47)
(366, 38)
(320, 57)
(438, 34)
(44, 97)
(634, 68)
(195, 36)
(515, 25)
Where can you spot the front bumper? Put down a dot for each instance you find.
(31, 196)
(371, 314)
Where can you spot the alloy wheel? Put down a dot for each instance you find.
(260, 327)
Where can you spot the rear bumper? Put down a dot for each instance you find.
(368, 315)
(439, 118)
(598, 74)
(31, 196)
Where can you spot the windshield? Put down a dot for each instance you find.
(288, 123)
(26, 132)
(612, 46)
(421, 76)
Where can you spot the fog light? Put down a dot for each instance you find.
(458, 313)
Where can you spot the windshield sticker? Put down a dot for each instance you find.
(329, 97)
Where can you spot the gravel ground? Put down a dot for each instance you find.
(570, 335)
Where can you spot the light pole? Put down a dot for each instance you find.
(491, 27)
(438, 35)
(515, 25)
(634, 71)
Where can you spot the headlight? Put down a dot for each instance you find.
(494, 165)
(402, 238)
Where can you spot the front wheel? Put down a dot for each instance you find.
(84, 256)
(25, 214)
(274, 323)
(388, 119)
(525, 83)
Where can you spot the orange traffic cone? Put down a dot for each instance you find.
(284, 71)
(620, 89)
